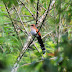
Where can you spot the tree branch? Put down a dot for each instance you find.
(41, 6)
(37, 12)
(46, 12)
(20, 20)
(10, 18)
(28, 9)
(30, 40)
(13, 23)
(31, 63)
(23, 22)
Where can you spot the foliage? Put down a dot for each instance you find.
(11, 42)
(10, 2)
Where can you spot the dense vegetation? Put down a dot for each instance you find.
(16, 16)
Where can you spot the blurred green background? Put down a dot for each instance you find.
(58, 24)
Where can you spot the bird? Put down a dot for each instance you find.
(35, 32)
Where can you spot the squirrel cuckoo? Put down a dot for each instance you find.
(34, 32)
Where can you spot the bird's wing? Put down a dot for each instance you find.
(38, 32)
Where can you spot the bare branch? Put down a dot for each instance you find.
(45, 15)
(21, 29)
(10, 18)
(13, 23)
(41, 6)
(37, 12)
(24, 22)
(47, 34)
(53, 58)
(46, 12)
(28, 9)
(36, 46)
(31, 63)
(26, 16)
(21, 20)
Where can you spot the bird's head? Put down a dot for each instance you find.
(32, 25)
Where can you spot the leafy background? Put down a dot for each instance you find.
(11, 43)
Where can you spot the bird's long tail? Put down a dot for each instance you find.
(41, 44)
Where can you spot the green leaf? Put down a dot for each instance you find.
(32, 1)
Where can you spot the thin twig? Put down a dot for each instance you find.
(53, 58)
(41, 6)
(43, 16)
(37, 12)
(13, 24)
(21, 20)
(10, 18)
(26, 16)
(28, 9)
(20, 28)
(36, 47)
(32, 63)
(47, 34)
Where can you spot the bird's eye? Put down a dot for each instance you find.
(31, 25)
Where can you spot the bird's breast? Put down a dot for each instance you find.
(33, 32)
